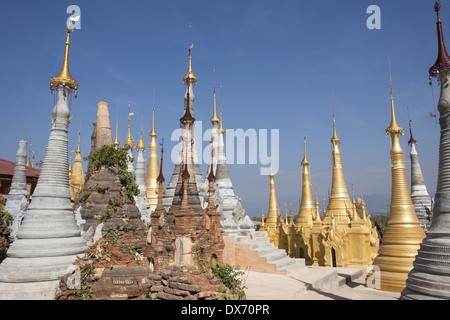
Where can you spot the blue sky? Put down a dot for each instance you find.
(278, 61)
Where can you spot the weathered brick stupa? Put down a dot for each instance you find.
(106, 200)
(17, 200)
(49, 240)
(403, 234)
(189, 80)
(430, 277)
(114, 266)
(181, 236)
(102, 134)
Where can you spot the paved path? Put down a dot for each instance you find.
(313, 283)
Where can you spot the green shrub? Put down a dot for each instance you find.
(85, 196)
(111, 156)
(6, 218)
(85, 292)
(230, 276)
(381, 222)
(101, 189)
(111, 235)
(104, 216)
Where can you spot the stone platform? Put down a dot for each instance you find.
(313, 283)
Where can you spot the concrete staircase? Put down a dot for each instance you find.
(257, 253)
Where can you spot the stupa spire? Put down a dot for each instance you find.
(190, 77)
(129, 140)
(403, 234)
(411, 140)
(64, 78)
(393, 128)
(221, 129)
(116, 141)
(273, 215)
(307, 207)
(215, 120)
(339, 202)
(141, 144)
(443, 60)
(153, 132)
(153, 167)
(429, 278)
(77, 177)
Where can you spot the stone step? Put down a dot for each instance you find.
(256, 245)
(265, 248)
(15, 270)
(275, 255)
(35, 248)
(45, 290)
(287, 263)
(261, 234)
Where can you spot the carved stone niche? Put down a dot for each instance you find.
(122, 283)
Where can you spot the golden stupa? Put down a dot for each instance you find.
(403, 235)
(341, 239)
(76, 179)
(153, 168)
(307, 206)
(273, 222)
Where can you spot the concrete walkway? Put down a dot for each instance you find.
(313, 283)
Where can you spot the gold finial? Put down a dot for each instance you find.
(273, 216)
(116, 141)
(305, 161)
(335, 139)
(141, 144)
(214, 118)
(221, 129)
(153, 133)
(64, 78)
(129, 141)
(190, 77)
(78, 148)
(393, 127)
(271, 172)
